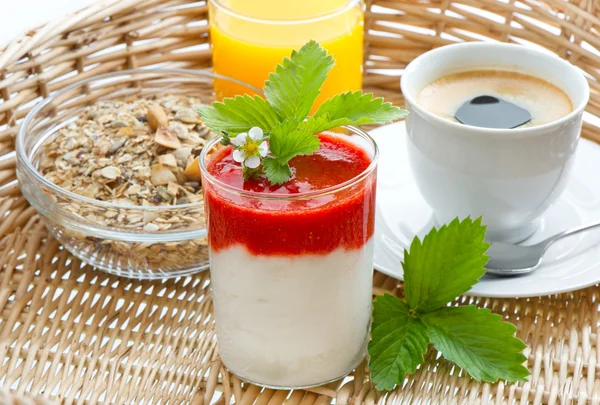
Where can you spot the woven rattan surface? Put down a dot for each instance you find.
(74, 335)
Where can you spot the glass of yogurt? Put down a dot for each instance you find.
(292, 264)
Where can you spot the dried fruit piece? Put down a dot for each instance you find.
(149, 216)
(125, 158)
(150, 227)
(180, 129)
(116, 145)
(102, 147)
(110, 172)
(134, 189)
(173, 189)
(118, 124)
(167, 137)
(157, 117)
(203, 131)
(194, 197)
(163, 193)
(161, 175)
(178, 172)
(167, 160)
(182, 155)
(125, 131)
(192, 172)
(195, 185)
(71, 157)
(188, 116)
(123, 201)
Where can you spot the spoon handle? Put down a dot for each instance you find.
(567, 233)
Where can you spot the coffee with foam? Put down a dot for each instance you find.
(495, 99)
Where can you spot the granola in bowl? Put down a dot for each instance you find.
(130, 152)
(135, 152)
(111, 165)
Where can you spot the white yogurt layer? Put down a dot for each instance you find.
(292, 321)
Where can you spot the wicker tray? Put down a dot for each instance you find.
(74, 335)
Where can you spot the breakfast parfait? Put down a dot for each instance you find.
(290, 206)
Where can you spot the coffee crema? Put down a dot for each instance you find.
(514, 91)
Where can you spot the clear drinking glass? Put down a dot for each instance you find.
(249, 39)
(115, 237)
(292, 275)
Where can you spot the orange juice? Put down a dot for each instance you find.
(251, 37)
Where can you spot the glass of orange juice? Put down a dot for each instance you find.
(250, 37)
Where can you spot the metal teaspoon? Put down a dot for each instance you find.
(510, 260)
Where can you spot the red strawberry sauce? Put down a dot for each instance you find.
(314, 225)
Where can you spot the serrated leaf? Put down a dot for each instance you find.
(318, 124)
(239, 114)
(277, 139)
(294, 86)
(398, 342)
(478, 342)
(446, 264)
(288, 140)
(356, 108)
(276, 172)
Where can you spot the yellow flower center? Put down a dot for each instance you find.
(251, 148)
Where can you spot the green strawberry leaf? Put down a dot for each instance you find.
(398, 342)
(356, 108)
(288, 140)
(478, 342)
(276, 172)
(294, 86)
(239, 114)
(445, 265)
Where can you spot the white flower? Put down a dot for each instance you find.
(250, 148)
(240, 139)
(256, 134)
(239, 155)
(263, 149)
(252, 162)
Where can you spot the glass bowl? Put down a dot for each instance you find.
(136, 241)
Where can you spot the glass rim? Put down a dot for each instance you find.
(286, 21)
(292, 197)
(78, 198)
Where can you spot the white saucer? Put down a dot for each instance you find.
(569, 265)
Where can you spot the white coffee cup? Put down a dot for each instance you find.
(509, 177)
